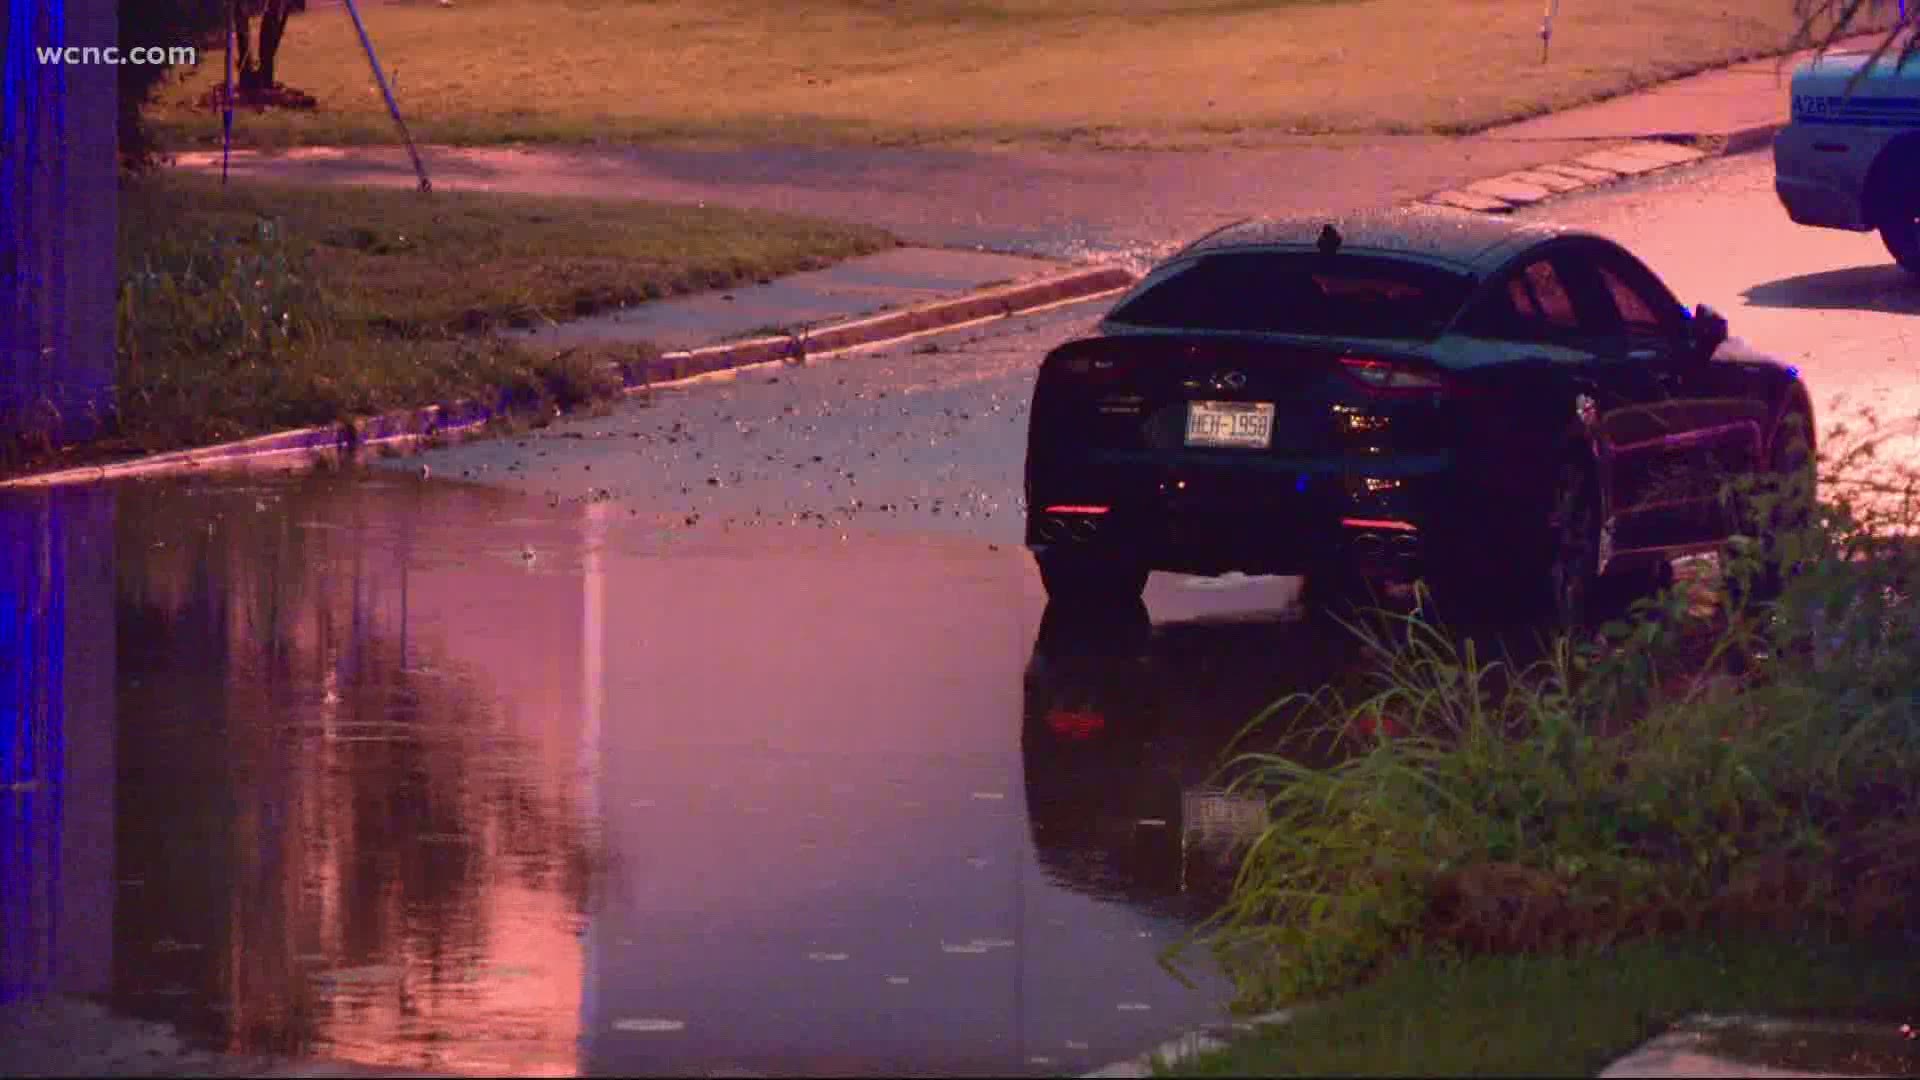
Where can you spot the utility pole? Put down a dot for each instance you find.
(58, 201)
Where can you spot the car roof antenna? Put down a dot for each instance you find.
(1329, 241)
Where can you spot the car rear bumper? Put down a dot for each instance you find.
(1393, 527)
(1819, 175)
(1811, 202)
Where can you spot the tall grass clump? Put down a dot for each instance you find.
(1741, 754)
(229, 328)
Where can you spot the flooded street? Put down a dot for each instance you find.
(429, 775)
(723, 732)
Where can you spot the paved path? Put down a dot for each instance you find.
(1067, 204)
(897, 278)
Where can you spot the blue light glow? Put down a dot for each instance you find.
(33, 177)
(52, 371)
(18, 106)
(32, 632)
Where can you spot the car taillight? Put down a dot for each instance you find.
(1393, 378)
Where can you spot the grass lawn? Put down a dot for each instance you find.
(394, 261)
(1158, 72)
(258, 307)
(1572, 1015)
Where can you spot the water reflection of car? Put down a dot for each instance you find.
(1449, 395)
(1125, 727)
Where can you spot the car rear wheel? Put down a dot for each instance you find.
(1078, 576)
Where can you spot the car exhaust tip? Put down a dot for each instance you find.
(1066, 528)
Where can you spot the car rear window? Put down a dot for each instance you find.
(1298, 293)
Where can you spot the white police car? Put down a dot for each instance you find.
(1851, 159)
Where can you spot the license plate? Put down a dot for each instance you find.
(1230, 423)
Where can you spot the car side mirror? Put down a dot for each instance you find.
(1706, 332)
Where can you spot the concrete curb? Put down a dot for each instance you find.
(1747, 139)
(327, 441)
(1682, 1050)
(1617, 160)
(1184, 1049)
(1083, 284)
(1686, 1049)
(412, 426)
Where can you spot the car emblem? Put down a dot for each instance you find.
(1230, 380)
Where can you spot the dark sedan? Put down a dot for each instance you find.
(1505, 409)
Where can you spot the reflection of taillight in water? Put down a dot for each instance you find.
(1376, 727)
(1075, 724)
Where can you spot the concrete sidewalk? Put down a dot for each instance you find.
(1720, 1046)
(861, 286)
(1725, 111)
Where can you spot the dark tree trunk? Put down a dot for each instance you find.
(256, 58)
(254, 68)
(273, 25)
(239, 31)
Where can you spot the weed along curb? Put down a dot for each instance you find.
(412, 426)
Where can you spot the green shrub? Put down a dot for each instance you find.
(1714, 762)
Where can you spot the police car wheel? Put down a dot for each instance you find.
(1902, 237)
